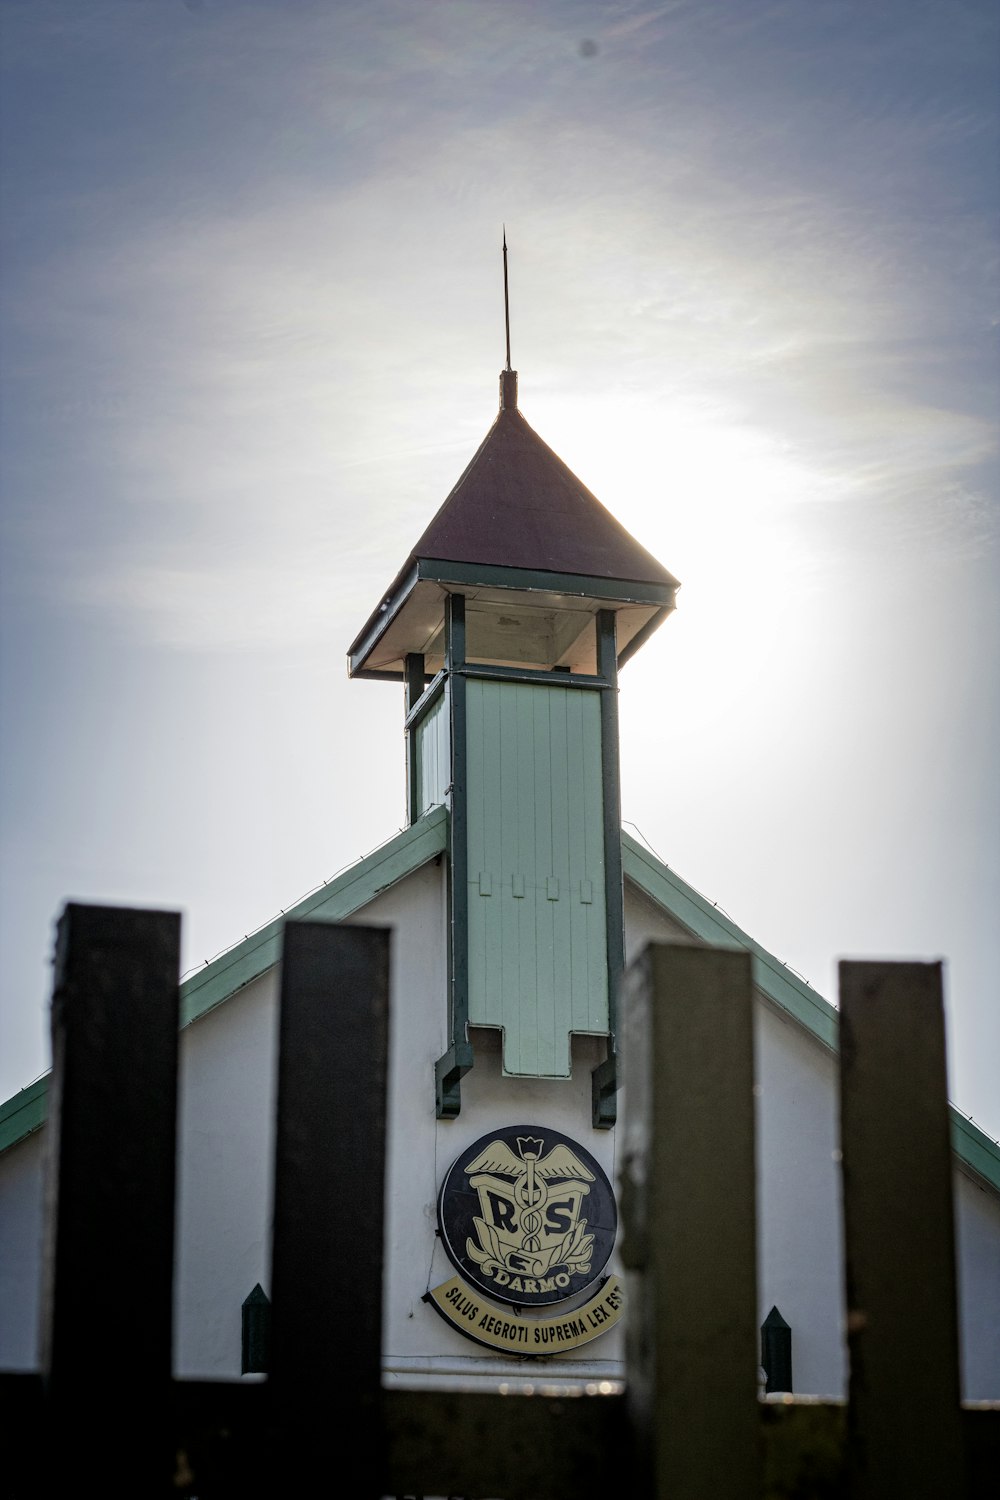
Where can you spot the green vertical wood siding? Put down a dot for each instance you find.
(432, 756)
(537, 932)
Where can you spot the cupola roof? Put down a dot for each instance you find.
(518, 531)
(518, 506)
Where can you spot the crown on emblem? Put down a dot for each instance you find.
(529, 1148)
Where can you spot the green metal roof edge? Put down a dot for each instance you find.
(980, 1154)
(339, 898)
(705, 921)
(547, 581)
(211, 986)
(346, 893)
(24, 1112)
(774, 979)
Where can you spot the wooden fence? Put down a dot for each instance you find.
(105, 1416)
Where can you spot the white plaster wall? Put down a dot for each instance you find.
(419, 1346)
(21, 1179)
(227, 1128)
(977, 1225)
(800, 1222)
(799, 1233)
(645, 922)
(224, 1181)
(223, 1193)
(225, 1155)
(798, 1217)
(224, 1176)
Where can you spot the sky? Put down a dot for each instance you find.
(251, 323)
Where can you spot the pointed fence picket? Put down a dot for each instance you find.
(104, 1413)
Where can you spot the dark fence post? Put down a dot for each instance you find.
(688, 1211)
(326, 1335)
(108, 1266)
(109, 1414)
(904, 1420)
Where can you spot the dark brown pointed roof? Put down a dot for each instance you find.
(519, 532)
(518, 506)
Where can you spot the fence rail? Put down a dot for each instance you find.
(105, 1414)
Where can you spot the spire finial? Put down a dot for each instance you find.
(506, 298)
(508, 377)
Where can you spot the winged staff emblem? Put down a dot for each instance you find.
(530, 1225)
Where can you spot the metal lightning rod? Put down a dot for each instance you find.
(506, 299)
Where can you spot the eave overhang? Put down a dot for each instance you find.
(411, 615)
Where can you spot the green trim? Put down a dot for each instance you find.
(256, 1331)
(24, 1113)
(456, 1062)
(449, 1070)
(482, 575)
(706, 922)
(425, 702)
(414, 665)
(377, 623)
(604, 1079)
(366, 674)
(339, 899)
(974, 1149)
(334, 902)
(545, 678)
(416, 678)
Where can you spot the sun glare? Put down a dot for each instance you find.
(720, 504)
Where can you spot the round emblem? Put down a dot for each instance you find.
(527, 1215)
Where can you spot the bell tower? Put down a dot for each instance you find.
(507, 625)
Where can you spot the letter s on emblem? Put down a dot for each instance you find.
(559, 1217)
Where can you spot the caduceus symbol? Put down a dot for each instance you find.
(530, 1195)
(531, 1174)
